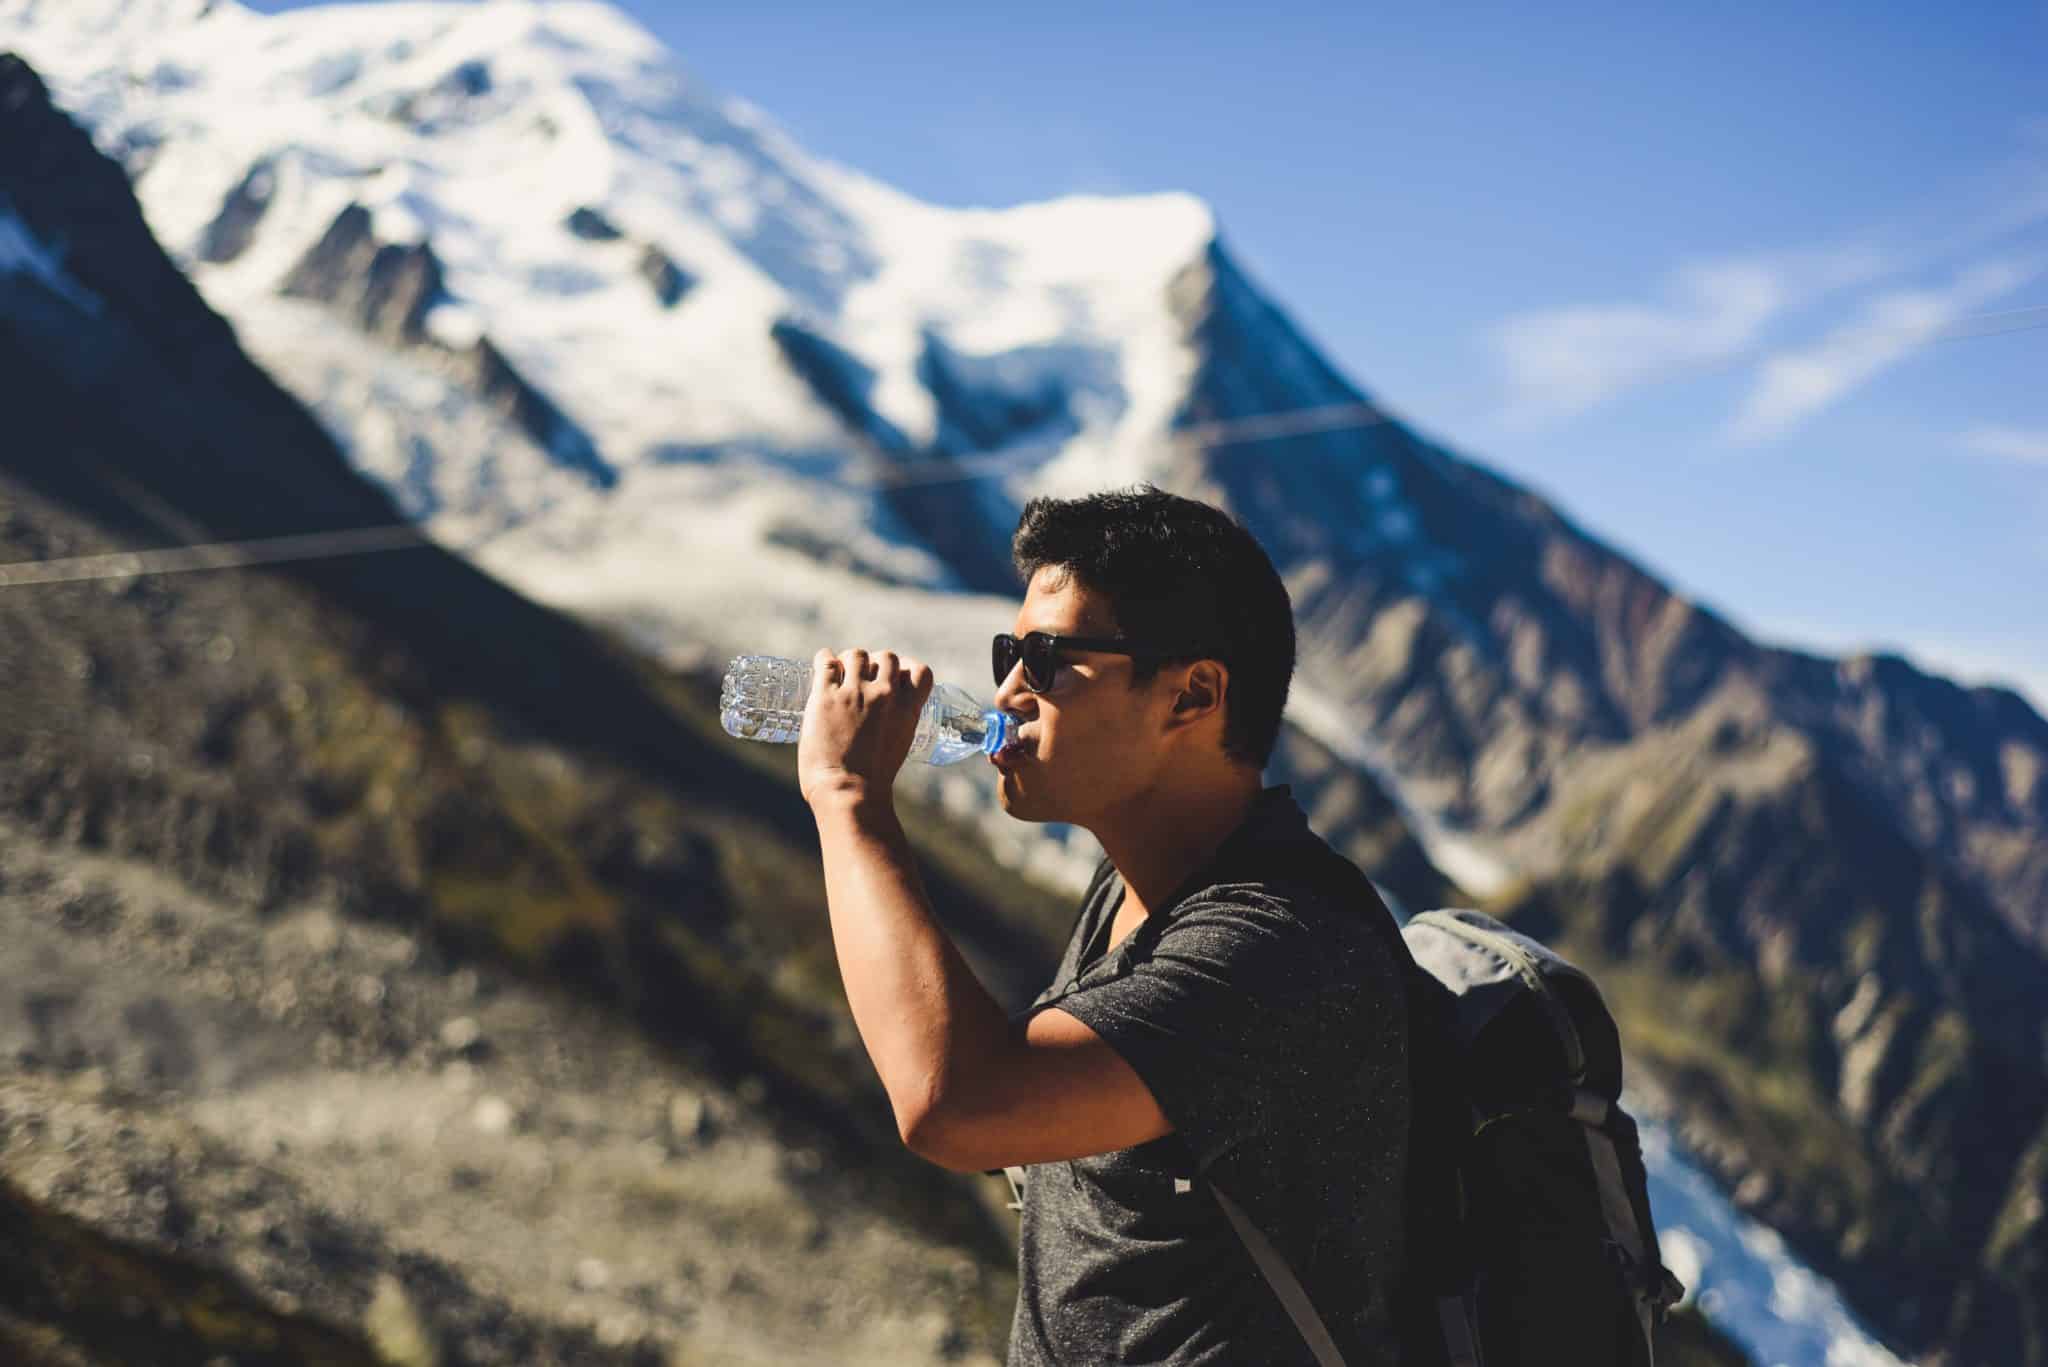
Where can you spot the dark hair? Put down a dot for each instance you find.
(1176, 571)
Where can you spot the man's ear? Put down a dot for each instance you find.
(1205, 687)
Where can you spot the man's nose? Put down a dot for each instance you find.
(1011, 693)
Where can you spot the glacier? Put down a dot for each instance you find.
(1741, 1274)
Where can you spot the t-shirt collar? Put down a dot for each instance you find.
(1274, 816)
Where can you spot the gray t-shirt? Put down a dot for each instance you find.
(1264, 1006)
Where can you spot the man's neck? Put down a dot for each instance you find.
(1159, 839)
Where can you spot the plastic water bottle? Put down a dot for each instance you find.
(764, 695)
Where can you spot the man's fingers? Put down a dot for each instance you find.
(827, 669)
(885, 667)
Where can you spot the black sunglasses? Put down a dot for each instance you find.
(1039, 650)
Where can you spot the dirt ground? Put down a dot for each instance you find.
(462, 1166)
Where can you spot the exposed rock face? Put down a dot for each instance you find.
(592, 226)
(385, 288)
(983, 412)
(488, 374)
(669, 281)
(842, 382)
(232, 230)
(965, 527)
(388, 289)
(1846, 1021)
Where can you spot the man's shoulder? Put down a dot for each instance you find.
(1304, 873)
(1322, 898)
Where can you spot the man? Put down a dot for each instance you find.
(1230, 1009)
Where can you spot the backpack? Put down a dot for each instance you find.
(1559, 1251)
(1530, 1237)
(1530, 1241)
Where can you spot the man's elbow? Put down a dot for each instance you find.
(937, 1134)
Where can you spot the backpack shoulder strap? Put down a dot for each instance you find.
(1649, 1282)
(1454, 1313)
(1281, 1278)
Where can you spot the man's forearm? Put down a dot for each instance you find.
(925, 1018)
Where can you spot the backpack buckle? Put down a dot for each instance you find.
(1649, 1282)
(1588, 1107)
(1667, 1292)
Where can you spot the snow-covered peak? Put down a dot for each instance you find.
(105, 19)
(556, 158)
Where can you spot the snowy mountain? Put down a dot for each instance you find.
(451, 217)
(617, 338)
(542, 179)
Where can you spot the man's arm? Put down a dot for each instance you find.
(971, 1092)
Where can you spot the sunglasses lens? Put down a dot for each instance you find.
(1036, 652)
(1038, 663)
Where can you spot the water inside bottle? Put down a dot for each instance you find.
(763, 698)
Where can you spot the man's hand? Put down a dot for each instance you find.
(859, 722)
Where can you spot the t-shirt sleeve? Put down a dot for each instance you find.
(1219, 1020)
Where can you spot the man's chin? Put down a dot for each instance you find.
(1018, 805)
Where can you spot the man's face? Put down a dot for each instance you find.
(1085, 743)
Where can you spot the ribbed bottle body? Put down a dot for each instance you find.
(763, 698)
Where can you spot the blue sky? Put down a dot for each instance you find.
(1692, 275)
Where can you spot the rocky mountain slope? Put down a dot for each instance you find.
(361, 1133)
(1816, 882)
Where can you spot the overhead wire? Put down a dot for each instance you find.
(1212, 435)
(219, 555)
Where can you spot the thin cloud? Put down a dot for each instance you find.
(1714, 314)
(1562, 362)
(2008, 443)
(1794, 385)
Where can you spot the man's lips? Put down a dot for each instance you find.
(1011, 755)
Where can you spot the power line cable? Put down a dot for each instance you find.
(1215, 435)
(219, 555)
